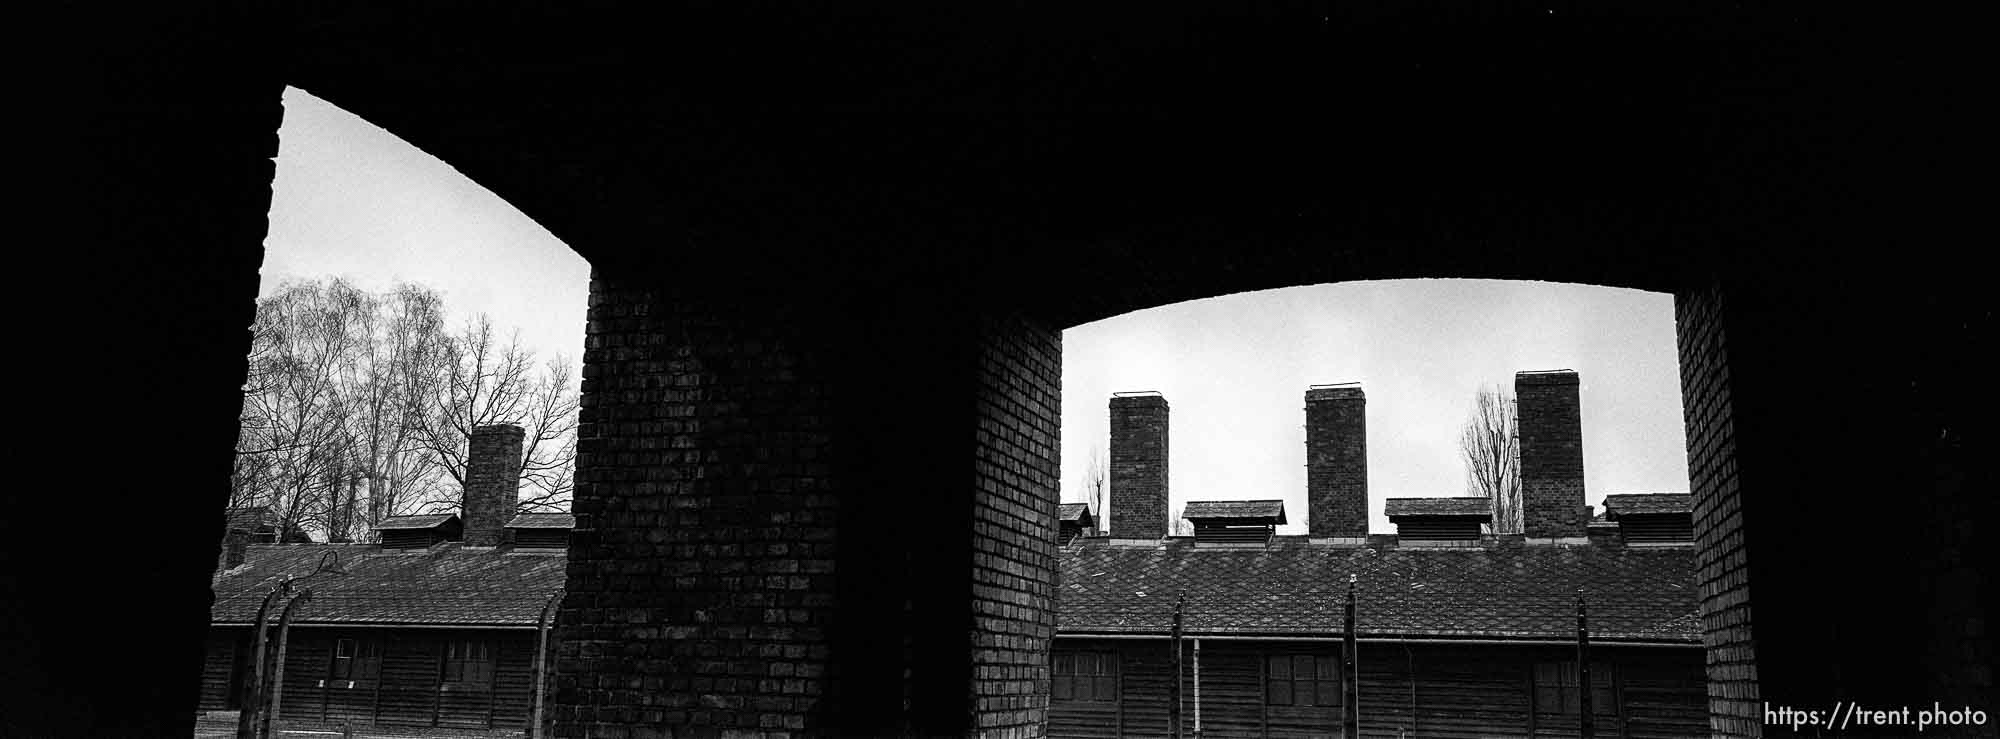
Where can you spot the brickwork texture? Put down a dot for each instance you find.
(1014, 573)
(730, 574)
(492, 482)
(1551, 427)
(1723, 580)
(1139, 467)
(1337, 462)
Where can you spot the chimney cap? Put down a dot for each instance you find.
(1138, 394)
(1335, 391)
(1546, 377)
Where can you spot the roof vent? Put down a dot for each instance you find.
(1439, 519)
(1074, 520)
(258, 523)
(541, 531)
(419, 532)
(1234, 521)
(1652, 518)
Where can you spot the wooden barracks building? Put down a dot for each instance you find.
(435, 628)
(1458, 633)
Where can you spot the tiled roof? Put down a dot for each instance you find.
(1261, 509)
(1073, 512)
(415, 522)
(1462, 506)
(543, 521)
(1636, 504)
(1291, 587)
(446, 584)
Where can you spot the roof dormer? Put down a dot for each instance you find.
(1234, 521)
(419, 532)
(541, 531)
(1439, 519)
(1652, 518)
(1074, 520)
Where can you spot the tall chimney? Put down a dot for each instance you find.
(1138, 466)
(1336, 461)
(1551, 424)
(492, 482)
(234, 547)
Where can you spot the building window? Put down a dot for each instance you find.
(1556, 692)
(1085, 676)
(468, 661)
(356, 659)
(1302, 680)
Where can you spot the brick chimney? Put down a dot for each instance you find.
(492, 482)
(1551, 425)
(1336, 461)
(234, 547)
(1138, 466)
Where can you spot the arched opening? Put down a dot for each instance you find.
(1290, 439)
(404, 462)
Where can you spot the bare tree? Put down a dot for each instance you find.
(291, 422)
(1094, 485)
(488, 383)
(548, 454)
(1491, 445)
(388, 384)
(357, 406)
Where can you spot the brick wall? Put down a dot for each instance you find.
(1139, 467)
(492, 482)
(701, 587)
(1337, 461)
(1014, 513)
(1551, 425)
(1721, 573)
(727, 574)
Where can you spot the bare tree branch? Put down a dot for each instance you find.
(1094, 486)
(358, 405)
(1490, 443)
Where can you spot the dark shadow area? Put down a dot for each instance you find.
(941, 191)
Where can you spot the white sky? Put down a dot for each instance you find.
(353, 200)
(1234, 370)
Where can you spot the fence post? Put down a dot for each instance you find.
(278, 671)
(541, 671)
(1587, 724)
(1197, 688)
(1350, 672)
(1174, 701)
(253, 701)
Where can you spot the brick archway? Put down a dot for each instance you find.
(828, 307)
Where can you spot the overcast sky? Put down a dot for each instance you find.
(353, 200)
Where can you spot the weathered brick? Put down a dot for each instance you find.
(1337, 462)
